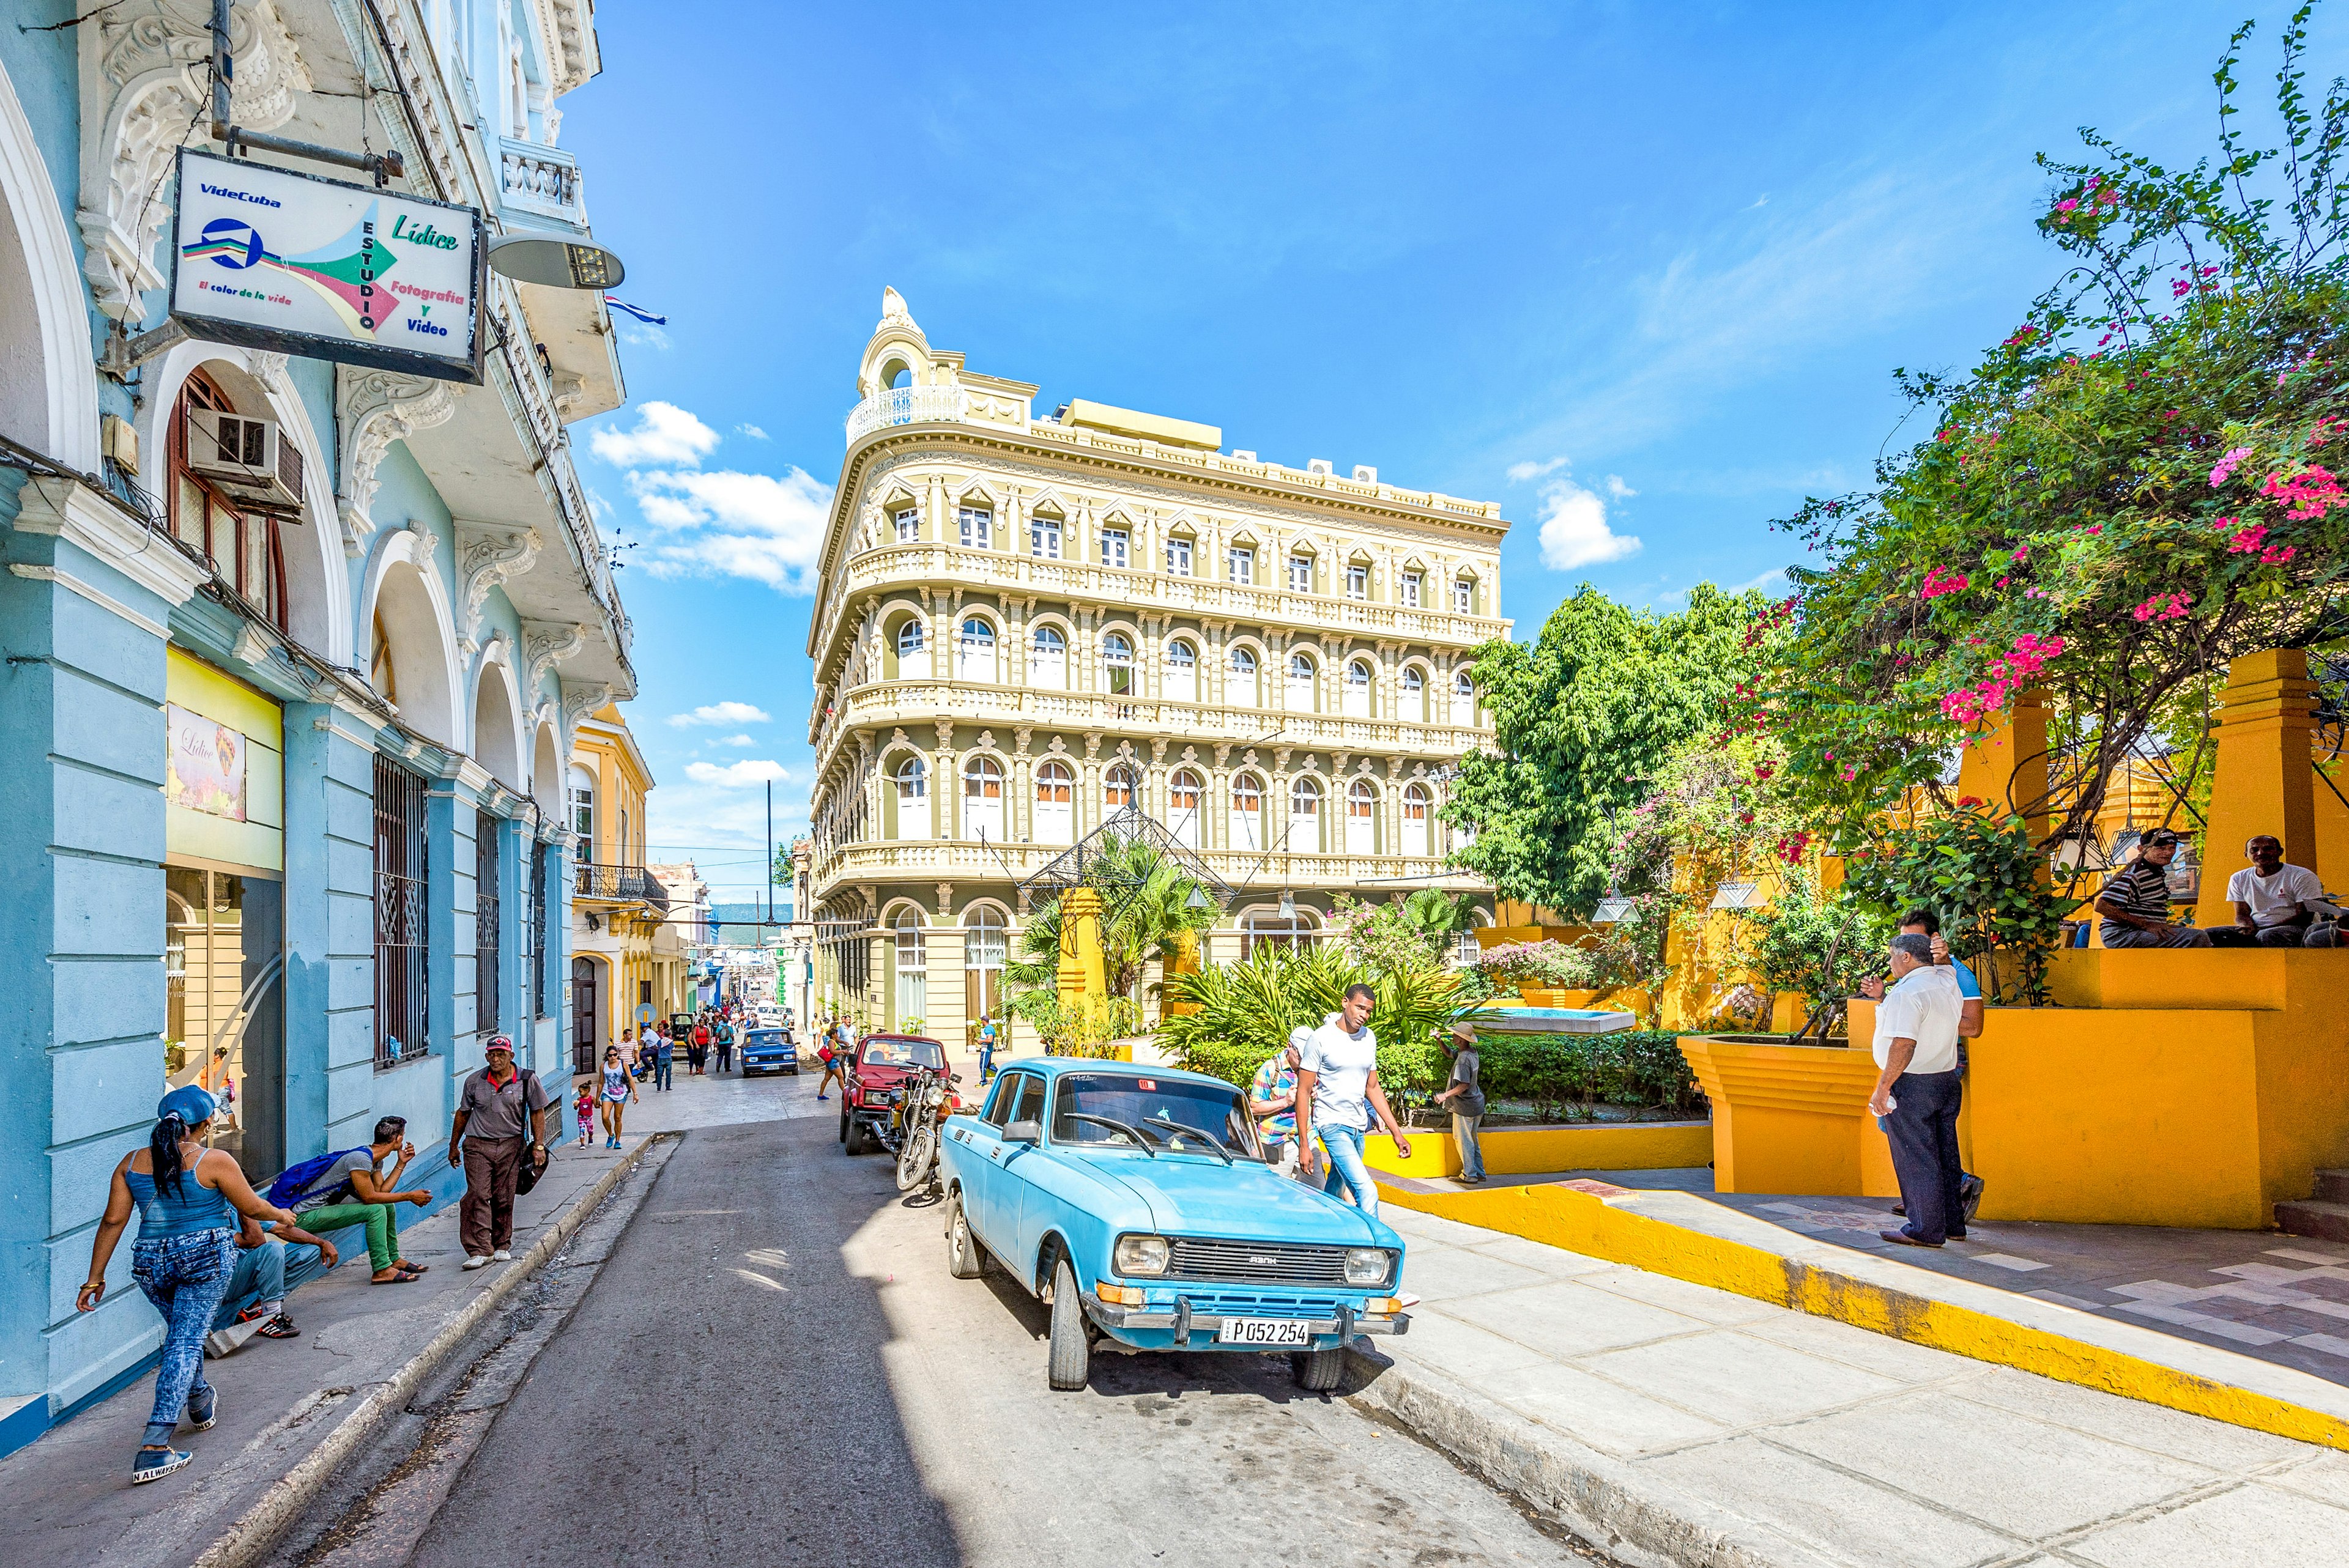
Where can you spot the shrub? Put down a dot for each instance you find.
(1568, 1077)
(1556, 965)
(1246, 1010)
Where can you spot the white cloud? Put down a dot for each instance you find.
(665, 433)
(1775, 574)
(735, 740)
(642, 334)
(1617, 488)
(752, 431)
(1520, 472)
(1574, 527)
(737, 775)
(723, 713)
(731, 525)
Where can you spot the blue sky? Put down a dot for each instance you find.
(1639, 273)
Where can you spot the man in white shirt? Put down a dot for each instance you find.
(1918, 1091)
(1337, 1091)
(2271, 899)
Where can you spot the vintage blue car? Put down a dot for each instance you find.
(769, 1051)
(1136, 1202)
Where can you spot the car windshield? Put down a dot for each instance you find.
(1159, 1109)
(905, 1054)
(763, 1037)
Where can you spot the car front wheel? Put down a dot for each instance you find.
(964, 1259)
(1319, 1371)
(843, 1124)
(1071, 1351)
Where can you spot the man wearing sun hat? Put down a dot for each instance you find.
(504, 1107)
(1465, 1097)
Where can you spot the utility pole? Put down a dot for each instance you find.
(769, 919)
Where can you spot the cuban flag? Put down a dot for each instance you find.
(644, 316)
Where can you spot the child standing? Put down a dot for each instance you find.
(585, 1106)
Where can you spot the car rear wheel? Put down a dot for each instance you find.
(964, 1259)
(1317, 1371)
(1071, 1352)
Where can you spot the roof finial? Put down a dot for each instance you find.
(893, 307)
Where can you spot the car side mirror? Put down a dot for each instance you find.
(1024, 1132)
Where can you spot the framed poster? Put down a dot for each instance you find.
(269, 258)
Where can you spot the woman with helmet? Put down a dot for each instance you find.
(188, 1198)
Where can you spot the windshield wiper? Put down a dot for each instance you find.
(1175, 1131)
(1133, 1132)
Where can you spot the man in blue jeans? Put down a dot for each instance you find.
(272, 1264)
(663, 1050)
(1338, 1091)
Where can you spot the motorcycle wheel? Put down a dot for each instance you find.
(918, 1152)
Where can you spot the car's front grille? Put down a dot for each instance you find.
(1214, 1303)
(1256, 1261)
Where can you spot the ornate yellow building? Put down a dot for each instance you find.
(1026, 624)
(628, 964)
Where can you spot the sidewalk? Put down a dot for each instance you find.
(1668, 1422)
(289, 1409)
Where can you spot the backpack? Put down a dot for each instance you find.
(293, 1184)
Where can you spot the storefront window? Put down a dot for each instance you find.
(222, 1011)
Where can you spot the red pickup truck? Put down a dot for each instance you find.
(875, 1074)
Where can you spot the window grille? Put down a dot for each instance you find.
(486, 976)
(402, 924)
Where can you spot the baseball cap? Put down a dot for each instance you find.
(500, 1043)
(189, 1102)
(2158, 838)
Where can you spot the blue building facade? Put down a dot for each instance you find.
(282, 757)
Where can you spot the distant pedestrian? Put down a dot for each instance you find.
(619, 1090)
(663, 1059)
(188, 1198)
(1917, 1093)
(505, 1108)
(722, 1036)
(1272, 1100)
(1465, 1098)
(1338, 1097)
(697, 1051)
(828, 1052)
(986, 1047)
(584, 1108)
(218, 1078)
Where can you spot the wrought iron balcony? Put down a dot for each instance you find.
(620, 884)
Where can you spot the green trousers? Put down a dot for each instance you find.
(382, 1227)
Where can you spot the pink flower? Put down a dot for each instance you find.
(2023, 552)
(2276, 554)
(2002, 582)
(1937, 584)
(2069, 204)
(2226, 466)
(2308, 494)
(2163, 607)
(2094, 528)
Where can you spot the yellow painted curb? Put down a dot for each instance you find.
(1580, 1222)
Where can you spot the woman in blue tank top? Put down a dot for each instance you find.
(188, 1198)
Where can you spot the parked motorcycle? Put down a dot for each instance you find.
(913, 1132)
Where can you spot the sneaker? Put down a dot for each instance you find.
(475, 1262)
(154, 1464)
(279, 1328)
(204, 1407)
(501, 1256)
(1969, 1194)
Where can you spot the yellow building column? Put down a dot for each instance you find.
(2262, 781)
(1083, 970)
(2005, 764)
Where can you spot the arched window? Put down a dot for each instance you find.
(1056, 803)
(1117, 789)
(223, 473)
(912, 969)
(1361, 817)
(1304, 688)
(1304, 837)
(912, 650)
(982, 799)
(975, 654)
(1247, 812)
(1117, 664)
(1415, 819)
(913, 782)
(1265, 927)
(1414, 694)
(1463, 700)
(1182, 671)
(986, 944)
(1357, 688)
(1244, 692)
(1183, 808)
(1047, 659)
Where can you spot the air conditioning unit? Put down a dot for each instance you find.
(248, 460)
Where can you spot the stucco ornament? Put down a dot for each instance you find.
(488, 554)
(375, 408)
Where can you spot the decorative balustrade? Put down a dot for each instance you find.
(906, 406)
(540, 179)
(952, 860)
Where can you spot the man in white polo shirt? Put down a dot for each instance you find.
(1917, 1092)
(2275, 902)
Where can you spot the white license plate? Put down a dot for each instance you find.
(1265, 1331)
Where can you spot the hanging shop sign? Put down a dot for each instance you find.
(272, 259)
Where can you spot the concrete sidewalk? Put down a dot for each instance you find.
(1666, 1422)
(290, 1410)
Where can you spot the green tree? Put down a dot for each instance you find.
(1148, 911)
(1820, 944)
(1584, 716)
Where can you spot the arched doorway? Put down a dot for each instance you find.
(587, 1029)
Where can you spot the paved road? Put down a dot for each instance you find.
(774, 1366)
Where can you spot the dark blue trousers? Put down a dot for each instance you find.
(1923, 1132)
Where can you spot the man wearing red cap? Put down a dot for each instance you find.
(505, 1107)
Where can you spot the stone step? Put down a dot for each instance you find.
(2314, 1218)
(2331, 1187)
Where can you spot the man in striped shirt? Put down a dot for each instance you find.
(2135, 905)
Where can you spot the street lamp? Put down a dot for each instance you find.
(554, 262)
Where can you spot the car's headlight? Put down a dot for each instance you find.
(1139, 1256)
(1367, 1265)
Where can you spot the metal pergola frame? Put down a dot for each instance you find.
(1083, 863)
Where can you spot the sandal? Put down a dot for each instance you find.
(397, 1278)
(411, 1268)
